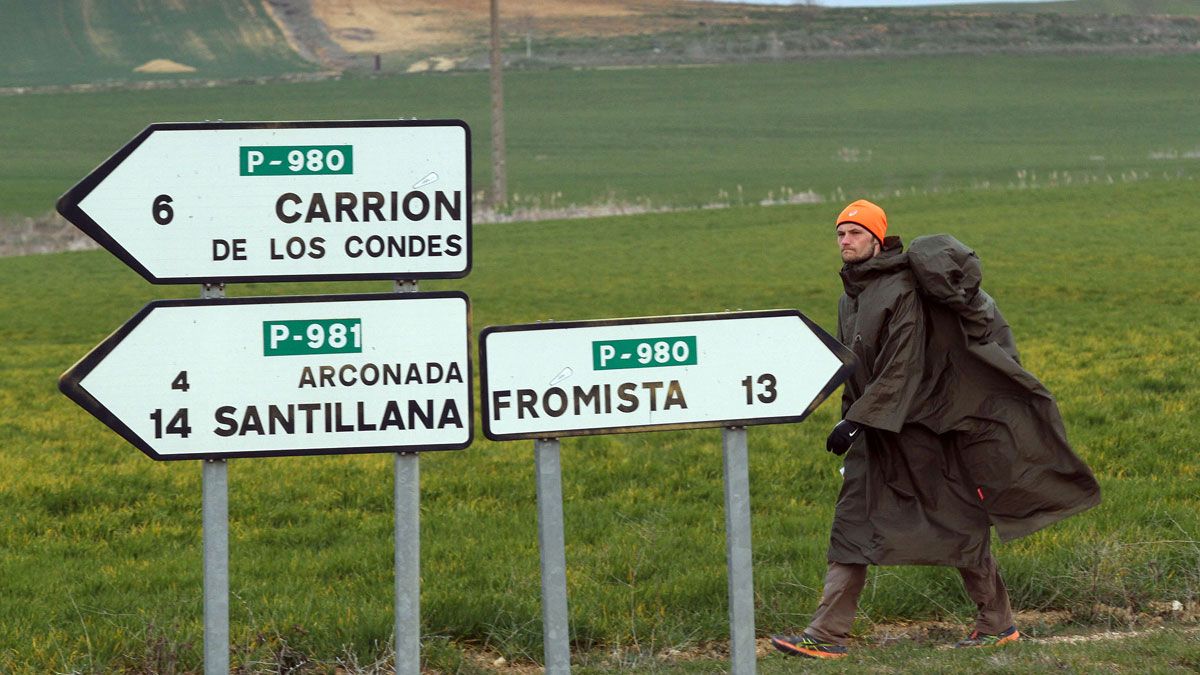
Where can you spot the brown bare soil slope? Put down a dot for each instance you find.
(420, 35)
(163, 66)
(388, 26)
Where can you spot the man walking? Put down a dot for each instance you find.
(946, 434)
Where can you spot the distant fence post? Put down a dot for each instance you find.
(499, 163)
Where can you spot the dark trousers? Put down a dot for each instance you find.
(843, 584)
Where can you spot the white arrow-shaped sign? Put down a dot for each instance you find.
(669, 372)
(241, 377)
(284, 201)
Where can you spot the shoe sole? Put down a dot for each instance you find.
(1007, 639)
(792, 650)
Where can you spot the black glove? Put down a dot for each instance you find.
(842, 437)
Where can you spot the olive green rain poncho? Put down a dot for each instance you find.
(959, 435)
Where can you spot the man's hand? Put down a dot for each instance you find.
(842, 437)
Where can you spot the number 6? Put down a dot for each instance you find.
(162, 211)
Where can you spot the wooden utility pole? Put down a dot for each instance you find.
(499, 170)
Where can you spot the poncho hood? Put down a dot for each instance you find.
(855, 276)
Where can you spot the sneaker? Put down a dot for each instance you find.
(807, 646)
(977, 639)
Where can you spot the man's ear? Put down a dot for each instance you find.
(878, 247)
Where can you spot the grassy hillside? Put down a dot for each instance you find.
(1114, 7)
(556, 33)
(61, 42)
(68, 42)
(800, 33)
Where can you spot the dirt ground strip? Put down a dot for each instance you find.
(1102, 623)
(940, 635)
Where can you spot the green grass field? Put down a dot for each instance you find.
(733, 134)
(1101, 293)
(63, 42)
(100, 546)
(1116, 7)
(803, 33)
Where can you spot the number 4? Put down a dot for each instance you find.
(180, 382)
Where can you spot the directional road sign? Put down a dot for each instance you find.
(669, 372)
(284, 201)
(241, 377)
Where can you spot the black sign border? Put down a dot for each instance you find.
(839, 350)
(68, 203)
(69, 382)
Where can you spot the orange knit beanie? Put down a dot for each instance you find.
(866, 214)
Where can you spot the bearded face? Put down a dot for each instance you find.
(856, 243)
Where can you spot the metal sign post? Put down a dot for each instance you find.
(215, 518)
(737, 550)
(407, 506)
(216, 567)
(556, 645)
